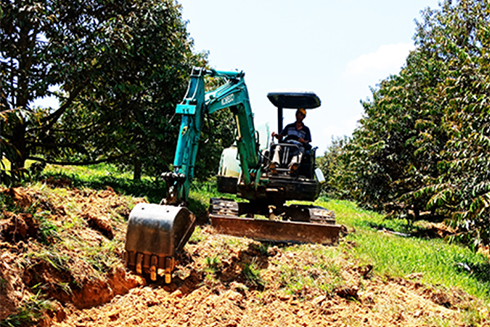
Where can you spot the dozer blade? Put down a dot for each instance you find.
(276, 231)
(156, 233)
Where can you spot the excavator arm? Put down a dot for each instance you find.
(156, 233)
(234, 95)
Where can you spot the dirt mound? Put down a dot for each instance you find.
(52, 243)
(62, 246)
(296, 286)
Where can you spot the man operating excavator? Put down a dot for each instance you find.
(297, 133)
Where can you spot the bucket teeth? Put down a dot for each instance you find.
(169, 266)
(153, 267)
(139, 263)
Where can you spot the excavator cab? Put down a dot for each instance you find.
(290, 145)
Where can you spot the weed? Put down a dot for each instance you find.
(213, 265)
(7, 204)
(474, 316)
(102, 175)
(197, 236)
(261, 247)
(439, 322)
(28, 313)
(234, 242)
(3, 284)
(101, 257)
(293, 282)
(65, 287)
(392, 255)
(251, 271)
(47, 229)
(58, 260)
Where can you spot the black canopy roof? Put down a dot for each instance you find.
(294, 100)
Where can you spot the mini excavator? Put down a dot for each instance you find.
(157, 233)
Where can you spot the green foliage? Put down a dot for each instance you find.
(251, 271)
(324, 277)
(333, 167)
(48, 231)
(100, 176)
(461, 188)
(117, 69)
(213, 265)
(422, 146)
(435, 261)
(217, 134)
(102, 258)
(53, 255)
(28, 314)
(8, 152)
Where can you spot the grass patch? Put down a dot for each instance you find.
(28, 314)
(310, 281)
(102, 258)
(197, 235)
(213, 265)
(102, 175)
(53, 256)
(251, 271)
(48, 231)
(439, 263)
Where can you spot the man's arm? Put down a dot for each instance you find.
(308, 135)
(283, 133)
(307, 138)
(277, 136)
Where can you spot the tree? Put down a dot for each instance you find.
(423, 143)
(333, 168)
(458, 35)
(118, 69)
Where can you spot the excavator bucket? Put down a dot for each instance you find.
(156, 233)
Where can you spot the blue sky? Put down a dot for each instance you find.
(338, 49)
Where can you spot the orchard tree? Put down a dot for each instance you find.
(333, 168)
(458, 34)
(117, 69)
(423, 144)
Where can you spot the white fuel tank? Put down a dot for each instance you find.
(229, 165)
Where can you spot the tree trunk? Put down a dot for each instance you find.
(137, 169)
(19, 143)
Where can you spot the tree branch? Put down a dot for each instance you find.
(51, 119)
(79, 163)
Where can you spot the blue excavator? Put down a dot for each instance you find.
(157, 233)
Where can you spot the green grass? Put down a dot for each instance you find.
(100, 176)
(28, 314)
(297, 281)
(251, 271)
(439, 263)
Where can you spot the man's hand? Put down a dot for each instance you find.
(277, 136)
(302, 140)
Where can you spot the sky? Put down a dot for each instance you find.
(337, 49)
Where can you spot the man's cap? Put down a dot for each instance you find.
(302, 110)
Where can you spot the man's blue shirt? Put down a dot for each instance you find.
(290, 129)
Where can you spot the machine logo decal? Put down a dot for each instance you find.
(228, 99)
